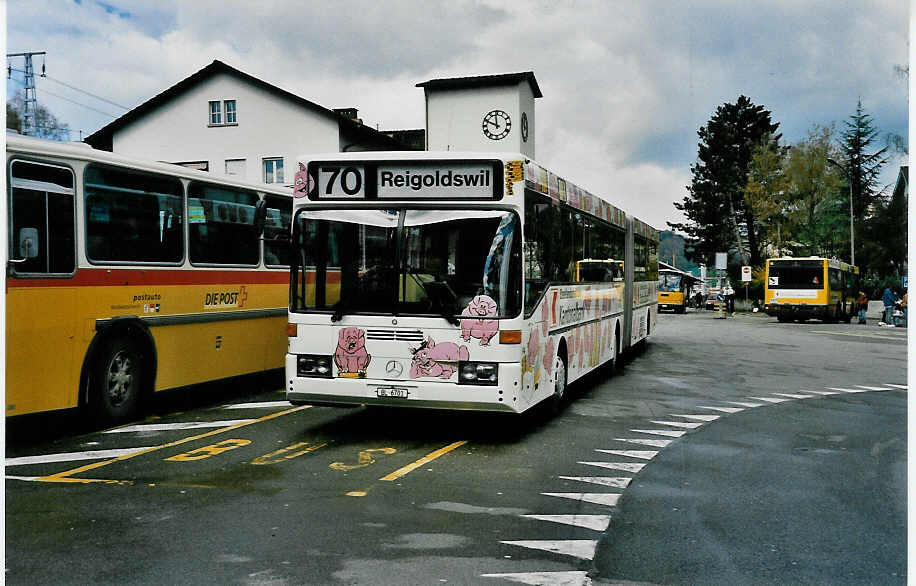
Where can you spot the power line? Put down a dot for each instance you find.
(72, 101)
(85, 92)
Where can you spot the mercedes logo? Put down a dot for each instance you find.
(394, 368)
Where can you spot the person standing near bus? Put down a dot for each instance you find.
(889, 298)
(862, 306)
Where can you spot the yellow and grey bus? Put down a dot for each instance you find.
(810, 287)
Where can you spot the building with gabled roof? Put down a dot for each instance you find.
(223, 120)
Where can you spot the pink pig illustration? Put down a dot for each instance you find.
(480, 307)
(439, 360)
(545, 317)
(351, 355)
(548, 356)
(534, 343)
(302, 183)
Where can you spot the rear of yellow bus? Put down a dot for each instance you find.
(797, 289)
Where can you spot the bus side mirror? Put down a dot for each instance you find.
(28, 243)
(260, 217)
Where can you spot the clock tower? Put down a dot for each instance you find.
(488, 113)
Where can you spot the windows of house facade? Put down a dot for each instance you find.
(223, 113)
(273, 170)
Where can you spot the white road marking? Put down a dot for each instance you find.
(873, 388)
(575, 578)
(641, 454)
(26, 478)
(625, 466)
(645, 442)
(820, 392)
(748, 405)
(264, 405)
(722, 409)
(664, 432)
(847, 390)
(612, 481)
(681, 424)
(769, 399)
(598, 498)
(70, 456)
(580, 548)
(177, 426)
(792, 396)
(595, 522)
(699, 417)
(904, 387)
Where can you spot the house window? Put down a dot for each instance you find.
(230, 112)
(273, 170)
(235, 167)
(216, 116)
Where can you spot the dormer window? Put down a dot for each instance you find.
(223, 113)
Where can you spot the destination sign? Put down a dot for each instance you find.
(428, 180)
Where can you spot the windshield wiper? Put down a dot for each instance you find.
(443, 298)
(339, 309)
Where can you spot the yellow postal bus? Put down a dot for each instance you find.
(810, 287)
(126, 277)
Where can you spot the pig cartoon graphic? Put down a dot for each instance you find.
(531, 357)
(302, 183)
(351, 355)
(480, 307)
(548, 356)
(438, 360)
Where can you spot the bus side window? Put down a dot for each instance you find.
(221, 225)
(42, 218)
(276, 230)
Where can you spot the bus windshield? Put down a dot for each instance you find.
(668, 282)
(797, 274)
(406, 261)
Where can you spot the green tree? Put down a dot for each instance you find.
(718, 216)
(765, 193)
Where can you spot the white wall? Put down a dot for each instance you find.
(268, 126)
(455, 118)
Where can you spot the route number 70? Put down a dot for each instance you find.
(341, 181)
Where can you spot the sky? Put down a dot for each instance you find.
(626, 85)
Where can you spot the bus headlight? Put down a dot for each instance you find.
(478, 373)
(313, 365)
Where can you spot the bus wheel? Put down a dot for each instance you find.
(559, 386)
(118, 380)
(783, 318)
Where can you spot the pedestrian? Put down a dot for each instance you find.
(862, 306)
(889, 298)
(729, 299)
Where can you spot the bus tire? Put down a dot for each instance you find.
(118, 380)
(560, 381)
(783, 318)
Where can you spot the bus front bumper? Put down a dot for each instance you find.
(419, 393)
(794, 310)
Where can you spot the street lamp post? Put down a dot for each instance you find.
(852, 236)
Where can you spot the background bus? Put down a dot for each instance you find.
(810, 287)
(674, 288)
(458, 280)
(128, 277)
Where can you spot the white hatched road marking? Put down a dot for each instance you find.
(722, 409)
(575, 578)
(612, 481)
(580, 548)
(820, 392)
(748, 405)
(641, 454)
(904, 387)
(699, 417)
(263, 405)
(791, 396)
(646, 442)
(873, 388)
(847, 390)
(681, 424)
(594, 522)
(769, 399)
(70, 456)
(598, 498)
(625, 466)
(664, 432)
(177, 426)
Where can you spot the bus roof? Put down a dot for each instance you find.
(27, 145)
(831, 262)
(536, 177)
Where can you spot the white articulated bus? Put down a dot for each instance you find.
(458, 281)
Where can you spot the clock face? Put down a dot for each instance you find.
(524, 127)
(496, 125)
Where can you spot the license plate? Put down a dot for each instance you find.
(393, 392)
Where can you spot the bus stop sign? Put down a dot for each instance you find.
(746, 274)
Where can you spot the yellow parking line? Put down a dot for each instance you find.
(425, 459)
(65, 476)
